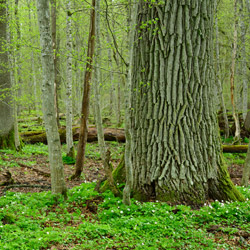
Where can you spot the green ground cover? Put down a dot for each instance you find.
(36, 221)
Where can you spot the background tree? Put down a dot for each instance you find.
(6, 108)
(55, 157)
(86, 97)
(176, 149)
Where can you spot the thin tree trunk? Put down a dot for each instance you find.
(18, 55)
(6, 109)
(217, 75)
(11, 59)
(128, 163)
(243, 67)
(69, 135)
(232, 76)
(86, 95)
(54, 44)
(246, 170)
(111, 76)
(55, 157)
(118, 102)
(105, 154)
(33, 71)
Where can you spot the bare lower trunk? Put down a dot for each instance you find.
(86, 95)
(176, 153)
(55, 157)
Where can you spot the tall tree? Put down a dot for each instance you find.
(86, 96)
(128, 95)
(6, 108)
(69, 134)
(55, 48)
(243, 67)
(176, 153)
(105, 154)
(11, 59)
(55, 157)
(218, 75)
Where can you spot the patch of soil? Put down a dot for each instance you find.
(31, 178)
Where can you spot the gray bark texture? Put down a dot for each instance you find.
(243, 68)
(55, 157)
(218, 76)
(128, 97)
(11, 59)
(69, 135)
(176, 153)
(6, 108)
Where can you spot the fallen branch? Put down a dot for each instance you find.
(45, 174)
(235, 148)
(110, 134)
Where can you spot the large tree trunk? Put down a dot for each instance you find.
(86, 96)
(55, 157)
(176, 152)
(6, 109)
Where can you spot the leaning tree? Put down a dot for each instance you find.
(6, 108)
(176, 151)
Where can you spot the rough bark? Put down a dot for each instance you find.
(69, 135)
(55, 157)
(6, 108)
(176, 152)
(86, 95)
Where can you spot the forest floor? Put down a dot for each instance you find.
(30, 169)
(31, 219)
(31, 172)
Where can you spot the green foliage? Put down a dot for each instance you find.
(68, 160)
(36, 221)
(246, 140)
(235, 158)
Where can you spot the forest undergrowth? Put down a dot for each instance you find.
(31, 218)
